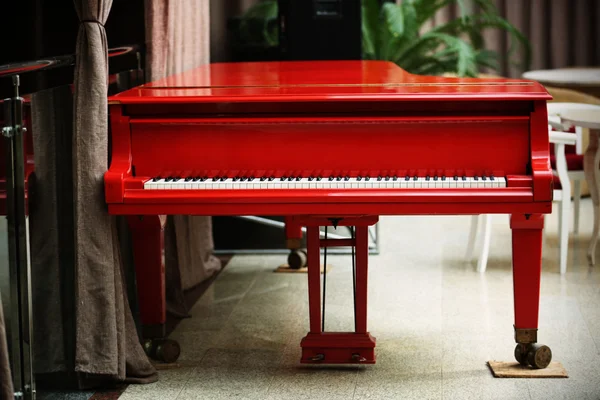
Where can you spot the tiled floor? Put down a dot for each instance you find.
(436, 321)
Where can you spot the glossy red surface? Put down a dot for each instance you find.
(321, 81)
(339, 117)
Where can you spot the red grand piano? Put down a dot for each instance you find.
(333, 143)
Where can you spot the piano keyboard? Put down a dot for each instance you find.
(408, 182)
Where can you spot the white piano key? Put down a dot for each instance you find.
(325, 183)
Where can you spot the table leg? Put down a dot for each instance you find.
(591, 161)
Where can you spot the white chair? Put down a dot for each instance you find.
(561, 194)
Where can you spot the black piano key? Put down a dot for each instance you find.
(223, 178)
(263, 178)
(387, 178)
(395, 178)
(310, 178)
(331, 178)
(483, 177)
(236, 178)
(339, 178)
(298, 178)
(491, 177)
(435, 178)
(406, 178)
(196, 179)
(243, 179)
(283, 178)
(291, 178)
(444, 177)
(476, 177)
(415, 178)
(155, 179)
(189, 178)
(250, 179)
(367, 178)
(319, 178)
(271, 178)
(379, 178)
(455, 177)
(464, 178)
(347, 178)
(427, 178)
(358, 178)
(215, 179)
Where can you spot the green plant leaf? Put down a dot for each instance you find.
(393, 17)
(370, 28)
(259, 20)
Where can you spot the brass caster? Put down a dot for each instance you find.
(539, 355)
(297, 259)
(521, 354)
(358, 358)
(164, 350)
(318, 357)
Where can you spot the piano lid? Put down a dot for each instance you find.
(321, 81)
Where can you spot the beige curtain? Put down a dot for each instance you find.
(6, 388)
(84, 330)
(106, 340)
(178, 39)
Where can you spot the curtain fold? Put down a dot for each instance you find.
(178, 39)
(105, 336)
(6, 387)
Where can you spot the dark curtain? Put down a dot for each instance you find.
(84, 332)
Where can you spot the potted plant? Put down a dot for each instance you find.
(395, 32)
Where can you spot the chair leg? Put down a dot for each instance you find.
(563, 232)
(485, 248)
(472, 237)
(576, 198)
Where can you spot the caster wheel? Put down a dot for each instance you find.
(539, 355)
(165, 350)
(297, 259)
(520, 355)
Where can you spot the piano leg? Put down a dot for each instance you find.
(527, 269)
(148, 254)
(293, 235)
(338, 347)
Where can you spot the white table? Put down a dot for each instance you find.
(590, 118)
(584, 79)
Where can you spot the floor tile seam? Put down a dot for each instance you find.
(596, 344)
(190, 375)
(237, 304)
(279, 362)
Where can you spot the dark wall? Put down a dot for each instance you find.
(34, 29)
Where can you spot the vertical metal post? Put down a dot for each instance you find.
(20, 331)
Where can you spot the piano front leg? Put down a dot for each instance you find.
(148, 232)
(293, 239)
(527, 269)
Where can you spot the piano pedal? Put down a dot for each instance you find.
(338, 348)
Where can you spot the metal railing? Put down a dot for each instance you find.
(20, 331)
